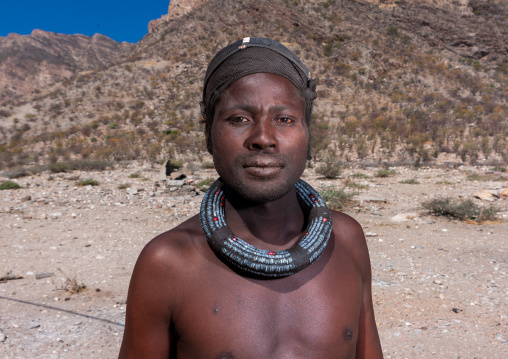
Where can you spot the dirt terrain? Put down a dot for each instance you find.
(439, 285)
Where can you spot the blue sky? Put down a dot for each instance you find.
(121, 20)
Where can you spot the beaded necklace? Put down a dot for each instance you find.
(261, 262)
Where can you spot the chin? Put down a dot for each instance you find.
(261, 191)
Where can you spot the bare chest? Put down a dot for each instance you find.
(313, 315)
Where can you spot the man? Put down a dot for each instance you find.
(265, 270)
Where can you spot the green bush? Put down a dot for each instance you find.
(204, 184)
(336, 198)
(409, 181)
(385, 173)
(176, 164)
(58, 167)
(207, 165)
(9, 185)
(87, 182)
(462, 210)
(359, 175)
(328, 169)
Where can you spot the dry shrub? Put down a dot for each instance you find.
(462, 210)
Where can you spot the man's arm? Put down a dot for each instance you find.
(368, 345)
(148, 319)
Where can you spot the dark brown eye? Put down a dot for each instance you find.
(238, 119)
(285, 120)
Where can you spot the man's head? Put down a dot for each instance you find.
(250, 56)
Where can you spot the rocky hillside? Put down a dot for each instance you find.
(29, 63)
(403, 82)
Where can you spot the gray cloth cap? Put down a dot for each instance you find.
(255, 55)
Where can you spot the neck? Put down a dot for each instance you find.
(273, 225)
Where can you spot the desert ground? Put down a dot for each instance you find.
(439, 285)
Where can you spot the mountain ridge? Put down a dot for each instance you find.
(400, 81)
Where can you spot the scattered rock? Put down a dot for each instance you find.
(366, 198)
(26, 199)
(55, 215)
(3, 337)
(403, 217)
(175, 183)
(177, 176)
(370, 234)
(503, 193)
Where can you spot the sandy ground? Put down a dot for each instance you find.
(440, 286)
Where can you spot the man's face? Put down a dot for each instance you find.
(260, 137)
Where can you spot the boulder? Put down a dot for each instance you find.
(503, 193)
(486, 195)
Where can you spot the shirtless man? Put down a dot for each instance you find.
(283, 277)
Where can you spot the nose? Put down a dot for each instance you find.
(261, 137)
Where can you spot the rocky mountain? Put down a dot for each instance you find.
(176, 9)
(29, 63)
(400, 81)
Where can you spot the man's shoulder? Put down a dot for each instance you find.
(178, 245)
(346, 227)
(349, 238)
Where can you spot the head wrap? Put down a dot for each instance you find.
(247, 57)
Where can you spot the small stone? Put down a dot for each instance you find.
(132, 191)
(99, 257)
(403, 217)
(26, 199)
(44, 275)
(3, 337)
(55, 215)
(370, 234)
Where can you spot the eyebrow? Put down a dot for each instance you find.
(254, 108)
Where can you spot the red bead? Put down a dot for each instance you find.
(217, 192)
(222, 198)
(324, 219)
(222, 204)
(215, 219)
(271, 253)
(315, 201)
(311, 196)
(307, 233)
